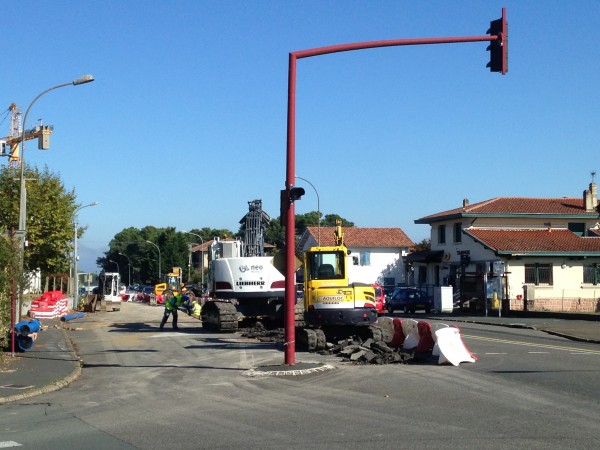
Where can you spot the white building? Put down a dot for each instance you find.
(534, 253)
(376, 254)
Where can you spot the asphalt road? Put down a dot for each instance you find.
(142, 388)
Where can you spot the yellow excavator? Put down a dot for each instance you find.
(332, 304)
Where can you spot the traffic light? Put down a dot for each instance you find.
(499, 48)
(296, 193)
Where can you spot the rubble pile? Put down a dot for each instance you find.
(370, 352)
(353, 348)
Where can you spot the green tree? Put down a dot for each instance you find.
(130, 246)
(425, 244)
(49, 221)
(9, 279)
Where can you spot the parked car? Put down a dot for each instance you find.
(379, 298)
(145, 293)
(409, 300)
(392, 292)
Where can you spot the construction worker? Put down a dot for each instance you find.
(172, 305)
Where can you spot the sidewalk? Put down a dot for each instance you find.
(49, 365)
(52, 364)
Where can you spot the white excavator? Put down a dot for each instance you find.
(243, 282)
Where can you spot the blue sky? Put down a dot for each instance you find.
(186, 121)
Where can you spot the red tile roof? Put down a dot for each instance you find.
(539, 241)
(363, 237)
(508, 206)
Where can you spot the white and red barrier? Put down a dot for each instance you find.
(440, 339)
(411, 334)
(49, 305)
(452, 348)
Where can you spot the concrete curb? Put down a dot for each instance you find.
(274, 371)
(52, 386)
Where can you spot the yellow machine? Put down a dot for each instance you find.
(330, 300)
(172, 286)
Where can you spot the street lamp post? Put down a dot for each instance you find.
(23, 194)
(201, 256)
(159, 263)
(129, 269)
(318, 209)
(75, 256)
(117, 264)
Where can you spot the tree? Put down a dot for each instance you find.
(425, 244)
(10, 278)
(130, 246)
(50, 217)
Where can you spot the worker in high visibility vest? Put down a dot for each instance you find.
(171, 306)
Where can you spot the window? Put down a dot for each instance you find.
(365, 258)
(458, 232)
(591, 273)
(538, 274)
(577, 228)
(441, 234)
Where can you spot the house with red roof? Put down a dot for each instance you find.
(376, 254)
(518, 252)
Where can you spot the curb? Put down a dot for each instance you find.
(273, 371)
(52, 386)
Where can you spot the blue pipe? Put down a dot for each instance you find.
(25, 327)
(72, 316)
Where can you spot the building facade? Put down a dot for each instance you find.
(522, 253)
(376, 254)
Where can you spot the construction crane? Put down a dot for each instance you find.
(9, 145)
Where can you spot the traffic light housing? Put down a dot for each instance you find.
(499, 48)
(286, 198)
(296, 193)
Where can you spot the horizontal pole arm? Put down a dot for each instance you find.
(388, 43)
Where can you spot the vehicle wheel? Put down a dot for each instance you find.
(413, 310)
(428, 311)
(406, 310)
(390, 309)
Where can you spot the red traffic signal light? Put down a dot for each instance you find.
(498, 48)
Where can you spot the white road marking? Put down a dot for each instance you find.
(8, 444)
(531, 344)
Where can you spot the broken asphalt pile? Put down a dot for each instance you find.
(353, 348)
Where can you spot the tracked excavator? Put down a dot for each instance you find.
(334, 307)
(243, 282)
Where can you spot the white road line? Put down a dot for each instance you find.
(531, 344)
(8, 444)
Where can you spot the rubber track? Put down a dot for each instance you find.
(219, 316)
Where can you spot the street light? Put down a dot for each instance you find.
(22, 194)
(129, 267)
(117, 264)
(318, 210)
(159, 271)
(75, 256)
(201, 256)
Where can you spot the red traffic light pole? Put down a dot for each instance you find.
(288, 206)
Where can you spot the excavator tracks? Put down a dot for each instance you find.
(311, 339)
(219, 316)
